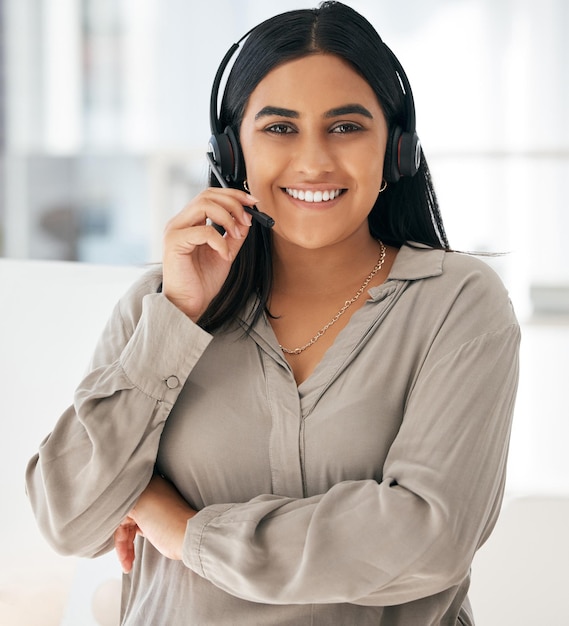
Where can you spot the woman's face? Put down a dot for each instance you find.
(314, 137)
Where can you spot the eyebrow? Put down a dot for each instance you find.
(346, 109)
(349, 109)
(270, 110)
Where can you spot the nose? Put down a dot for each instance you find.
(313, 156)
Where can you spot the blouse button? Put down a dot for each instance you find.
(172, 382)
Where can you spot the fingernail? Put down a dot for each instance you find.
(252, 198)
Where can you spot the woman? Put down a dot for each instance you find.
(303, 425)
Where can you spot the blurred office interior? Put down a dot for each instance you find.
(104, 127)
(104, 122)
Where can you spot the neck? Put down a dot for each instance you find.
(324, 270)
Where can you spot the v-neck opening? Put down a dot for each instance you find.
(345, 344)
(413, 262)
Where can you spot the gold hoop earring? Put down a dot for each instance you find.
(383, 186)
(246, 186)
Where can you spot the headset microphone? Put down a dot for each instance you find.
(265, 220)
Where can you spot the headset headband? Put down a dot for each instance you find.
(407, 92)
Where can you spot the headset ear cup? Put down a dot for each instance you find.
(409, 154)
(222, 154)
(238, 173)
(391, 162)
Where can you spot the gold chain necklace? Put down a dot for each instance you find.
(346, 306)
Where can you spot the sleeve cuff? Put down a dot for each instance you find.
(164, 348)
(195, 531)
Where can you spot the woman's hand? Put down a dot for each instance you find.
(197, 258)
(160, 515)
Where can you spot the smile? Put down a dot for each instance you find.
(313, 196)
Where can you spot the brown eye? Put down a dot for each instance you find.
(346, 127)
(279, 129)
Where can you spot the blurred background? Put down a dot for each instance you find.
(103, 130)
(104, 122)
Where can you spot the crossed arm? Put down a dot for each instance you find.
(160, 515)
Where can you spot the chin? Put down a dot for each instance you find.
(309, 240)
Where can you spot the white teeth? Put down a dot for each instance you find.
(313, 196)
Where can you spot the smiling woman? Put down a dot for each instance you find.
(303, 424)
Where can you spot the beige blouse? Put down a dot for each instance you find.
(358, 497)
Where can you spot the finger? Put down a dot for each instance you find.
(184, 241)
(227, 216)
(124, 549)
(227, 198)
(124, 544)
(230, 216)
(222, 206)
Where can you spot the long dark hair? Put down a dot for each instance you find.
(406, 211)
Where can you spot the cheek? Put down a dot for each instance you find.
(255, 162)
(263, 168)
(371, 174)
(260, 177)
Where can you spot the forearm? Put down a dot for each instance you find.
(357, 543)
(161, 515)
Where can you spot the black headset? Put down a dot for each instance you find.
(402, 155)
(403, 150)
(223, 143)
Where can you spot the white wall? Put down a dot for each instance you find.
(52, 314)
